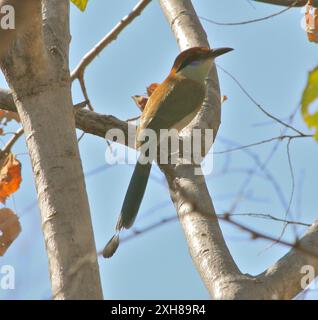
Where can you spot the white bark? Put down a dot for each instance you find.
(38, 73)
(88, 121)
(195, 208)
(21, 20)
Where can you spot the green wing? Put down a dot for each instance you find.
(182, 99)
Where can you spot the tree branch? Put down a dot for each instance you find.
(7, 148)
(111, 36)
(245, 22)
(197, 215)
(79, 71)
(188, 190)
(286, 3)
(37, 70)
(88, 121)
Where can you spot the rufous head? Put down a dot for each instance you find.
(195, 63)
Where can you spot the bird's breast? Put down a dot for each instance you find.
(173, 104)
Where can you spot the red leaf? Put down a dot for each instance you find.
(10, 176)
(10, 228)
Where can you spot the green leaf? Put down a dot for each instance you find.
(310, 95)
(81, 4)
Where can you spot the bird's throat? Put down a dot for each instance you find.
(197, 72)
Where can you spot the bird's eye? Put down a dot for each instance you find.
(195, 62)
(187, 63)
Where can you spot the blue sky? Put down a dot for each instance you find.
(271, 60)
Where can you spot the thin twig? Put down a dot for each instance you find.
(12, 141)
(290, 137)
(81, 137)
(133, 119)
(135, 232)
(263, 165)
(285, 3)
(293, 187)
(251, 4)
(240, 23)
(257, 235)
(111, 36)
(84, 90)
(270, 217)
(292, 178)
(259, 165)
(257, 104)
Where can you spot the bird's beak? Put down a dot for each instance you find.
(219, 51)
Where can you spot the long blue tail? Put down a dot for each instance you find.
(133, 198)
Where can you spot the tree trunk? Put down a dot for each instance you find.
(37, 71)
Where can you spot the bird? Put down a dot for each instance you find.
(173, 105)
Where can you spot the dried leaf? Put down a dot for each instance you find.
(311, 18)
(152, 88)
(141, 101)
(10, 228)
(10, 176)
(7, 116)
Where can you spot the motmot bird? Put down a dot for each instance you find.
(173, 105)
